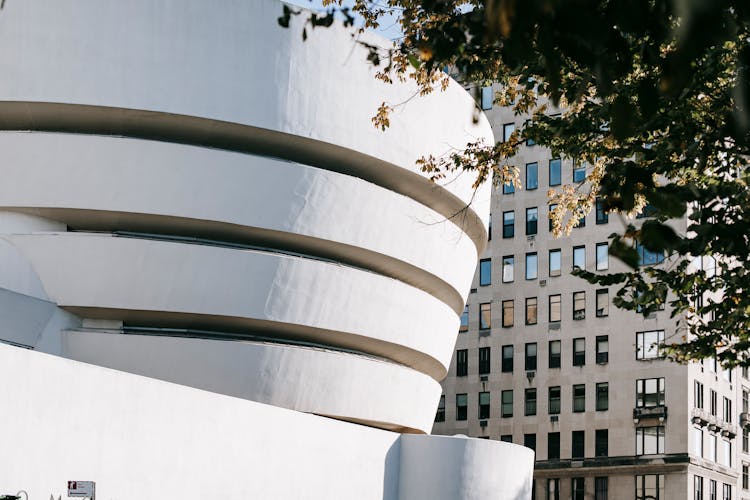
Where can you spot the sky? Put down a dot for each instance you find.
(389, 29)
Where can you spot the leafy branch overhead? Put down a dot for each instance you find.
(653, 98)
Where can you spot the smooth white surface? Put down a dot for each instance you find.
(323, 382)
(341, 305)
(141, 438)
(212, 60)
(130, 176)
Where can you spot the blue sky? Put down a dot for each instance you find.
(390, 28)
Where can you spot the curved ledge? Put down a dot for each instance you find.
(192, 286)
(312, 380)
(205, 132)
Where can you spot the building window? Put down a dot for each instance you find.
(697, 394)
(579, 257)
(579, 171)
(745, 398)
(745, 474)
(555, 172)
(484, 360)
(579, 305)
(551, 209)
(555, 309)
(529, 140)
(553, 489)
(602, 217)
(579, 398)
(602, 396)
(726, 455)
(485, 272)
(462, 362)
(727, 491)
(649, 440)
(601, 443)
(577, 449)
(440, 415)
(712, 490)
(697, 488)
(745, 439)
(489, 228)
(602, 256)
(509, 188)
(508, 268)
(507, 362)
(553, 446)
(506, 403)
(487, 97)
(579, 352)
(602, 303)
(649, 344)
(529, 441)
(530, 362)
(649, 392)
(650, 487)
(484, 405)
(508, 312)
(698, 442)
(555, 262)
(602, 349)
(532, 176)
(531, 268)
(581, 221)
(529, 402)
(577, 488)
(727, 410)
(601, 488)
(509, 224)
(555, 350)
(508, 130)
(712, 446)
(553, 402)
(713, 404)
(532, 218)
(531, 310)
(462, 404)
(464, 326)
(506, 438)
(646, 257)
(485, 314)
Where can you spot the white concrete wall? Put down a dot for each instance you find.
(141, 438)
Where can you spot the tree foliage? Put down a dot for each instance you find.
(654, 98)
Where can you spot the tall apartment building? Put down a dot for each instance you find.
(544, 360)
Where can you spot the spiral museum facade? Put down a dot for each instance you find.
(195, 195)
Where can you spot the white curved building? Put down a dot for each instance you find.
(194, 195)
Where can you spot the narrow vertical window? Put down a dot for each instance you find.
(602, 396)
(579, 305)
(602, 303)
(462, 362)
(550, 210)
(506, 403)
(555, 172)
(553, 446)
(487, 97)
(484, 360)
(530, 402)
(484, 405)
(602, 217)
(555, 308)
(602, 256)
(462, 405)
(508, 130)
(532, 217)
(579, 398)
(485, 314)
(579, 352)
(555, 350)
(530, 360)
(555, 262)
(508, 269)
(601, 443)
(532, 176)
(602, 349)
(579, 171)
(485, 272)
(601, 488)
(578, 448)
(531, 266)
(464, 325)
(509, 224)
(508, 313)
(579, 257)
(507, 362)
(531, 310)
(553, 403)
(440, 414)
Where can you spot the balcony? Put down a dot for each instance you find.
(648, 412)
(744, 420)
(728, 430)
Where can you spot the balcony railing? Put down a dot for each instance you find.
(644, 412)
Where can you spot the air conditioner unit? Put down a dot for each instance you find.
(482, 424)
(530, 374)
(483, 378)
(554, 326)
(554, 418)
(542, 282)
